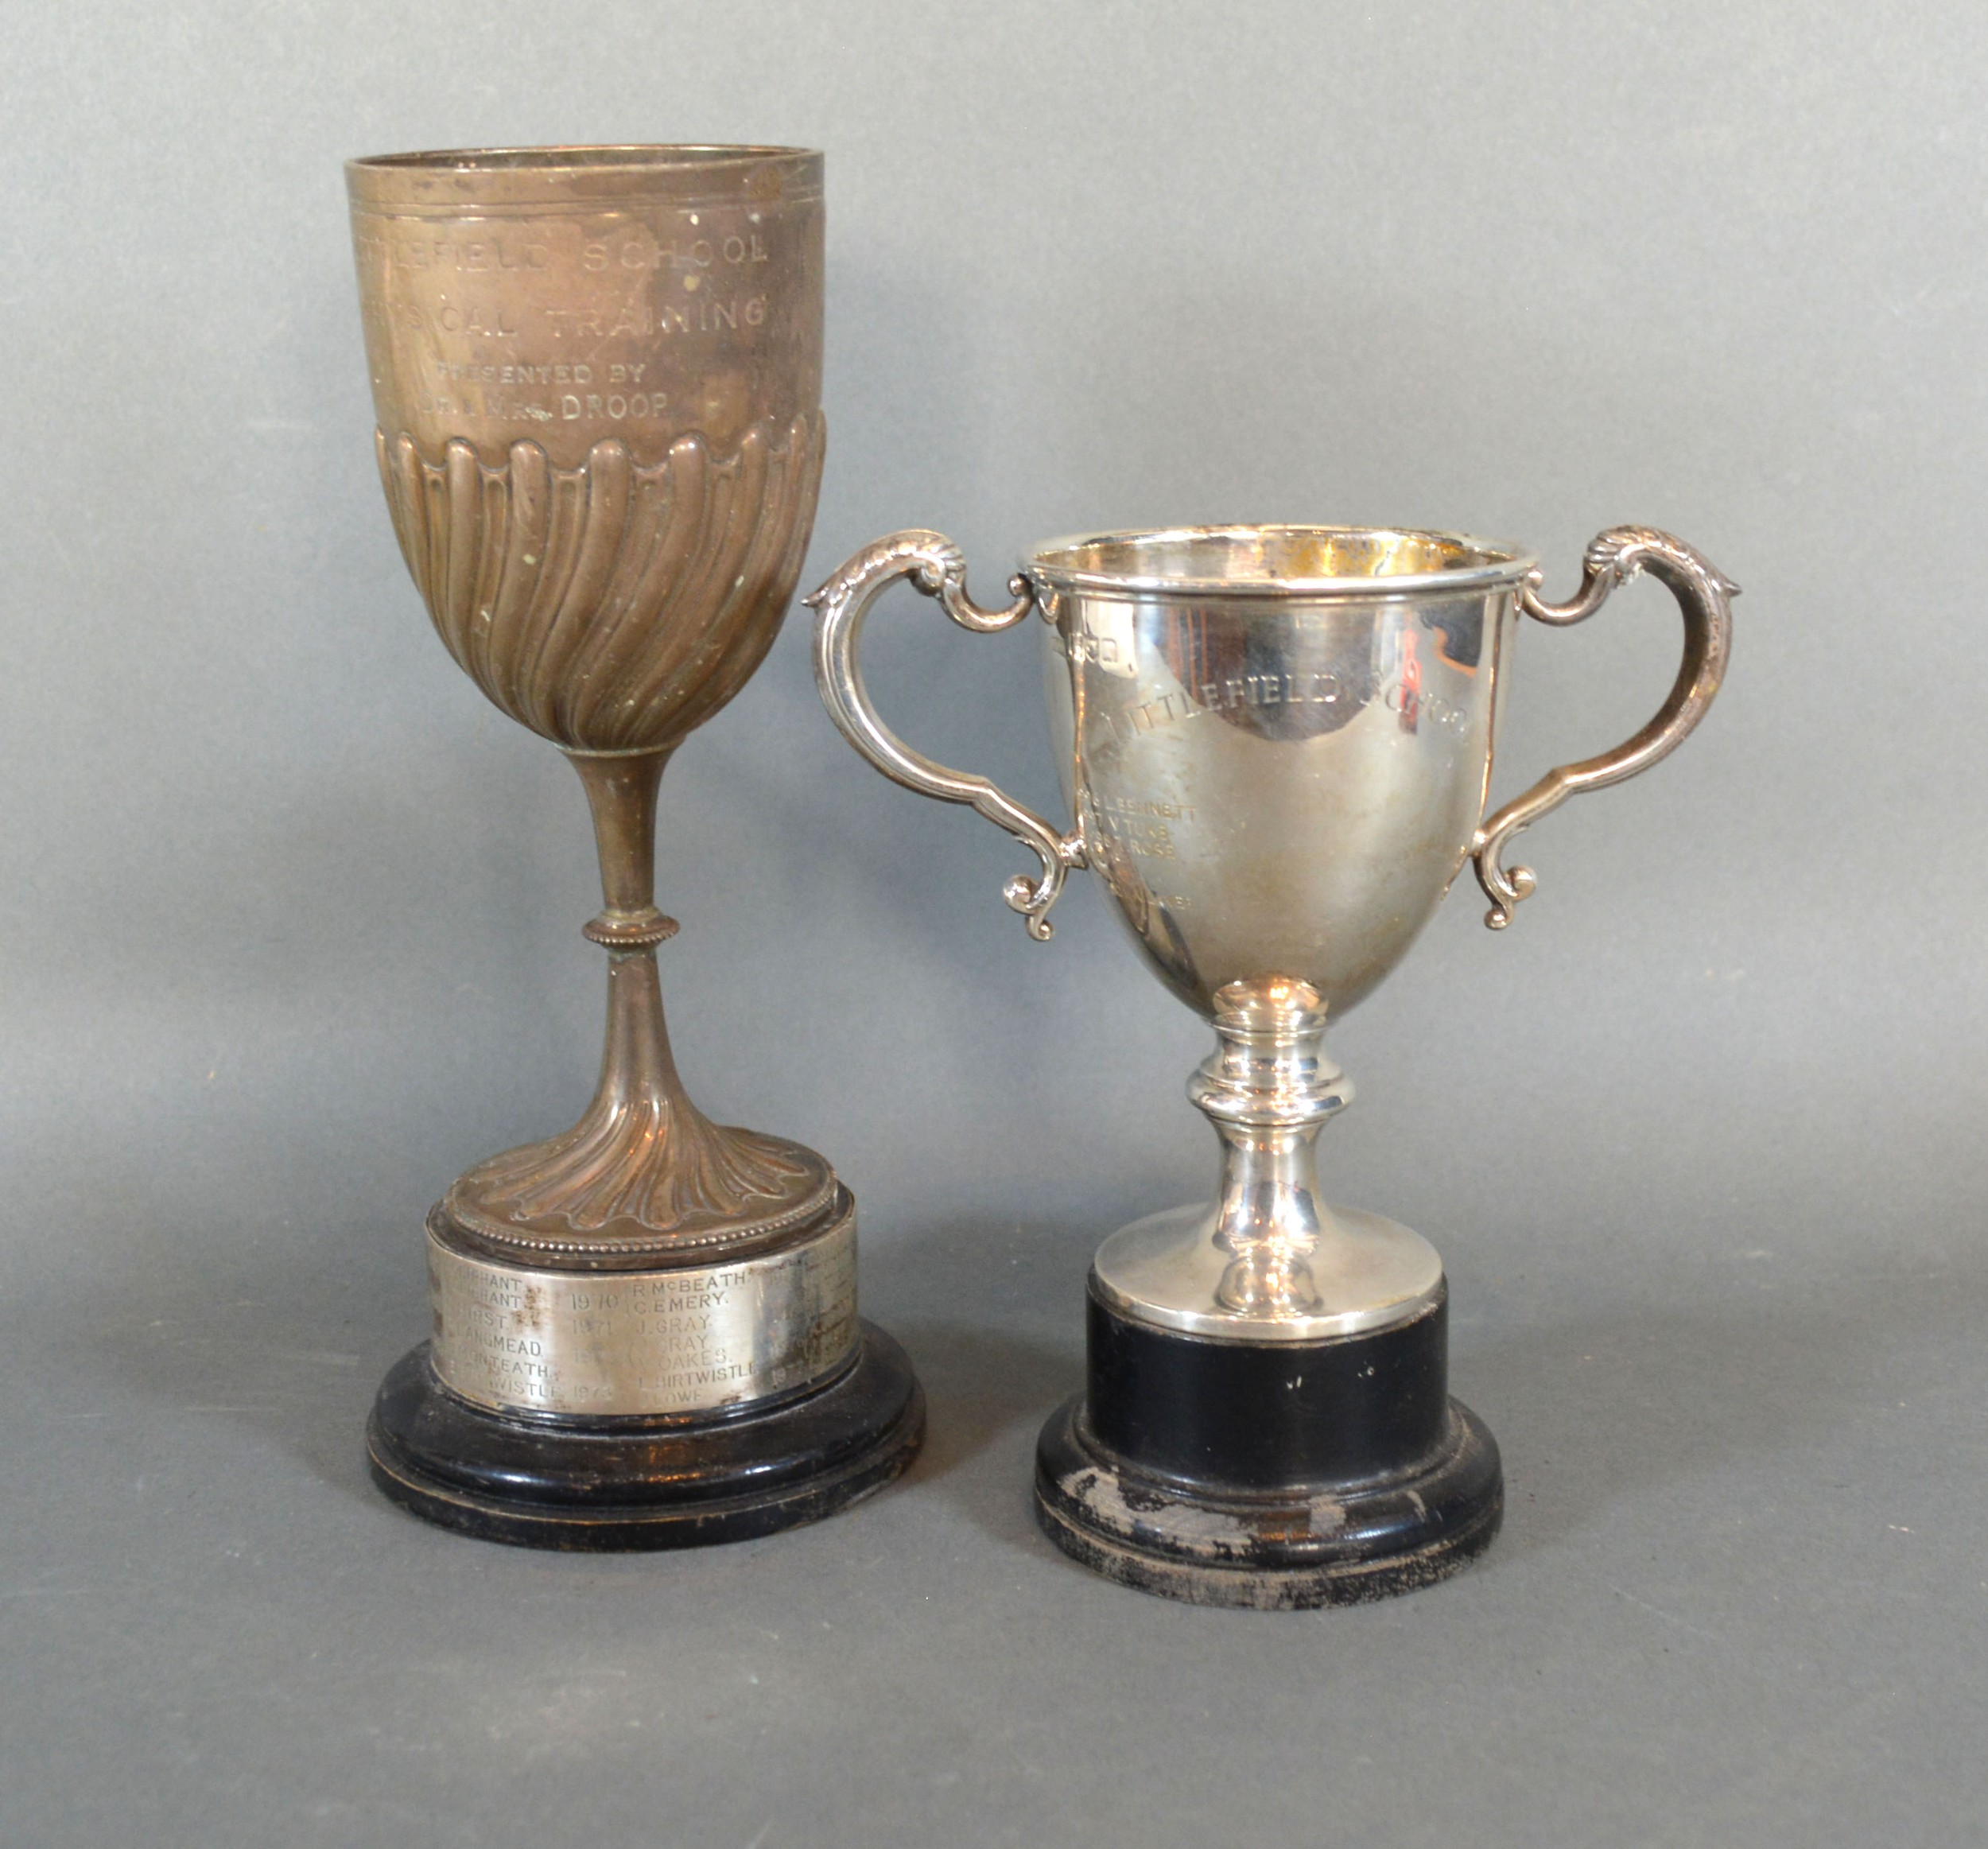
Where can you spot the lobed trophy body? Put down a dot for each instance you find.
(597, 377)
(1277, 744)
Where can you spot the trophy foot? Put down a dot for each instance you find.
(609, 1485)
(716, 1398)
(1276, 1476)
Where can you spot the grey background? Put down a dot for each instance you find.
(287, 921)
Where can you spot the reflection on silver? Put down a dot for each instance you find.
(1269, 1261)
(938, 568)
(643, 1343)
(1706, 596)
(1167, 1269)
(1278, 742)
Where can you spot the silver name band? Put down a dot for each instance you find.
(635, 1343)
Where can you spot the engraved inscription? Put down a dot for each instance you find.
(570, 319)
(696, 249)
(614, 390)
(691, 252)
(1150, 840)
(1405, 697)
(704, 314)
(1117, 806)
(646, 1341)
(444, 251)
(1085, 646)
(1140, 827)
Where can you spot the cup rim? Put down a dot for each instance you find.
(1058, 564)
(577, 171)
(585, 155)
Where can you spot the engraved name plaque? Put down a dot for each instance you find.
(643, 1343)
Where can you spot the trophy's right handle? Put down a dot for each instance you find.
(1705, 596)
(937, 567)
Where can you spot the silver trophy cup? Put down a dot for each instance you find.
(1278, 743)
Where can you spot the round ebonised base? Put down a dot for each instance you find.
(611, 1485)
(1272, 1476)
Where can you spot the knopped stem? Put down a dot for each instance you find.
(636, 1067)
(1268, 1088)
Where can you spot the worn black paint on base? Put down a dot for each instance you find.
(1275, 1476)
(1269, 1415)
(622, 1484)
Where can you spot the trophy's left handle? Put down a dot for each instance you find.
(937, 567)
(1705, 596)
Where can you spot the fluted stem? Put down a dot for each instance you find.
(643, 1169)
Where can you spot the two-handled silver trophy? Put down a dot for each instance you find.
(1278, 743)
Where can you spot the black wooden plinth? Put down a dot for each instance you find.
(1275, 1476)
(610, 1486)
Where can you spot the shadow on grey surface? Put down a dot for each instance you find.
(988, 1391)
(289, 1337)
(288, 1341)
(991, 1308)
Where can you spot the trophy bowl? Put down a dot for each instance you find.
(1277, 741)
(597, 373)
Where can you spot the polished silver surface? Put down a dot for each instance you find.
(1704, 595)
(938, 568)
(1268, 1260)
(1278, 741)
(689, 1339)
(1366, 1273)
(1276, 778)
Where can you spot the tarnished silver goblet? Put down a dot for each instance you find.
(597, 373)
(1278, 742)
